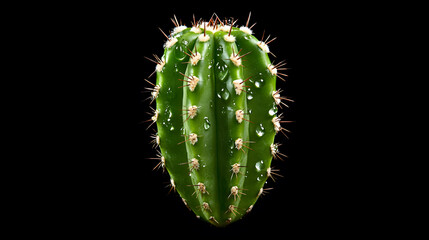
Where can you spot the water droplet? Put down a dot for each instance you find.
(272, 111)
(222, 70)
(222, 110)
(224, 93)
(219, 50)
(257, 84)
(259, 165)
(206, 123)
(260, 130)
(249, 97)
(260, 178)
(179, 50)
(172, 128)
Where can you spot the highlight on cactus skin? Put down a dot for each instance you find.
(216, 116)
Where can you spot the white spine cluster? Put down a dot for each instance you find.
(195, 58)
(155, 116)
(192, 111)
(225, 28)
(178, 29)
(193, 138)
(276, 96)
(235, 59)
(170, 42)
(239, 143)
(196, 30)
(276, 123)
(193, 83)
(160, 65)
(246, 30)
(229, 38)
(204, 37)
(272, 69)
(239, 114)
(263, 46)
(238, 85)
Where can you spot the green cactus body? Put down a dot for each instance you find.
(216, 118)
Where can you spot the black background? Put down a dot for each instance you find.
(110, 188)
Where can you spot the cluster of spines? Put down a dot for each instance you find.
(200, 27)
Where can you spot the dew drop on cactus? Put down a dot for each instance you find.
(216, 116)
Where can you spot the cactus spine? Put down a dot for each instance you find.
(216, 119)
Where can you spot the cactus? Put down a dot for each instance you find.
(216, 116)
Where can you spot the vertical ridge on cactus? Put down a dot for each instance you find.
(216, 116)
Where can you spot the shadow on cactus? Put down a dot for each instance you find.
(216, 116)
